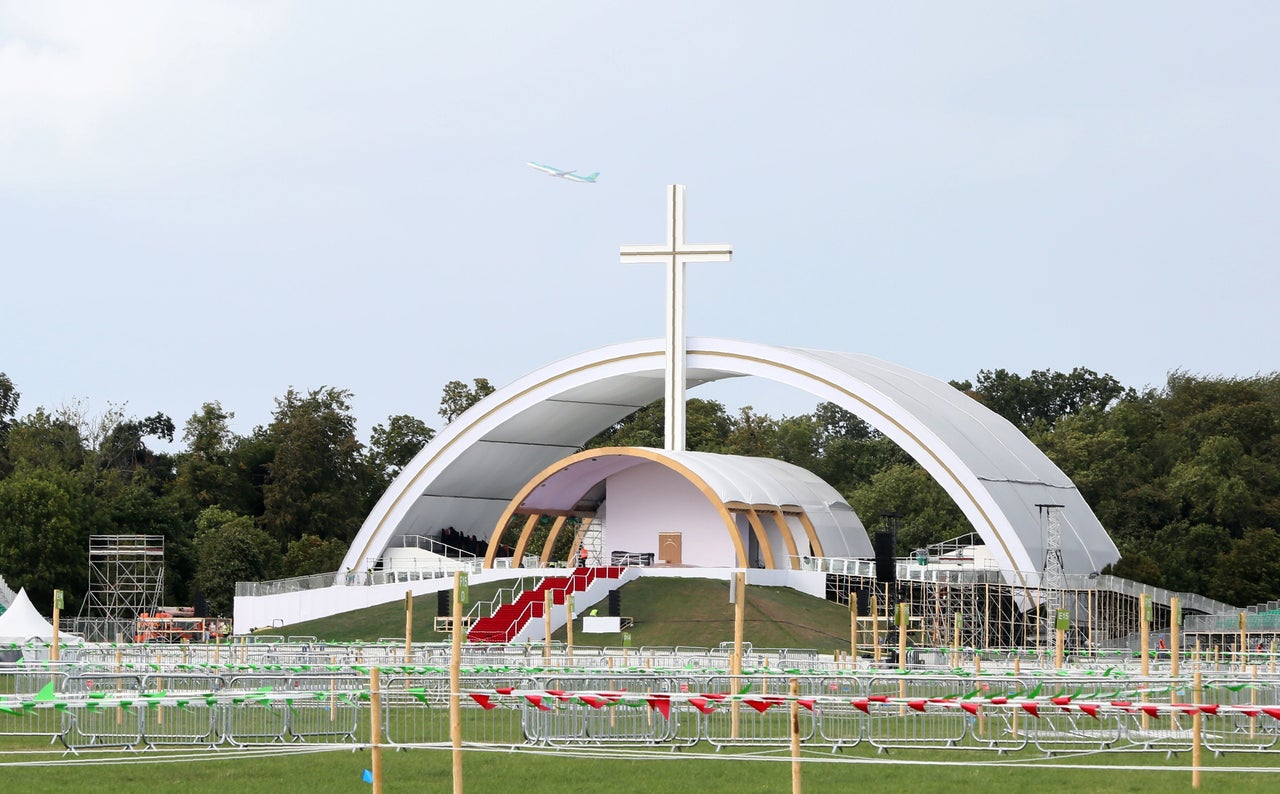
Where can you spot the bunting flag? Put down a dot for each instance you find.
(662, 705)
(483, 700)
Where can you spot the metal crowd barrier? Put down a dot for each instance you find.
(298, 693)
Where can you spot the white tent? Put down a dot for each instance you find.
(21, 622)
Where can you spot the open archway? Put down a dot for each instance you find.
(468, 474)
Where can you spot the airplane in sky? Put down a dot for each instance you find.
(572, 176)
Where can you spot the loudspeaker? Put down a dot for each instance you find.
(863, 601)
(615, 604)
(886, 553)
(444, 603)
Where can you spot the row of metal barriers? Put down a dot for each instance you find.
(1001, 713)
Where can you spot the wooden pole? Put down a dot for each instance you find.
(795, 736)
(1243, 655)
(904, 614)
(57, 622)
(375, 727)
(119, 680)
(735, 663)
(955, 642)
(546, 628)
(875, 630)
(1253, 701)
(1017, 670)
(853, 627)
(1145, 646)
(408, 626)
(1196, 724)
(1175, 635)
(568, 628)
(455, 683)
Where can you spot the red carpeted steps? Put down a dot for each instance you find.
(509, 619)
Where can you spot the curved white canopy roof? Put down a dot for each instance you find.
(467, 474)
(727, 480)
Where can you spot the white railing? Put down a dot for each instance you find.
(908, 570)
(371, 578)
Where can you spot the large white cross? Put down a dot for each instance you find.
(675, 252)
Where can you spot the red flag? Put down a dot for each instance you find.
(701, 705)
(758, 705)
(483, 700)
(806, 703)
(860, 704)
(505, 690)
(536, 700)
(1091, 710)
(918, 705)
(972, 708)
(1031, 708)
(661, 705)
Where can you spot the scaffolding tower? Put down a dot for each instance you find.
(126, 579)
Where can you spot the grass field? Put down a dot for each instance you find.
(427, 770)
(666, 612)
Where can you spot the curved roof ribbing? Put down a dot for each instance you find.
(728, 481)
(467, 474)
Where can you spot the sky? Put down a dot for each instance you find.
(209, 200)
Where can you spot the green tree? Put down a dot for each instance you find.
(929, 515)
(206, 474)
(707, 427)
(754, 435)
(319, 476)
(1250, 573)
(132, 509)
(230, 549)
(9, 398)
(392, 446)
(309, 554)
(45, 521)
(42, 440)
(1044, 396)
(458, 397)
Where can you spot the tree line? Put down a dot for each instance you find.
(1186, 477)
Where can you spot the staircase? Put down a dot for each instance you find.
(507, 621)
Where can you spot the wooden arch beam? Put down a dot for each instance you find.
(651, 455)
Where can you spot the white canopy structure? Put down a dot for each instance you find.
(466, 477)
(773, 512)
(21, 623)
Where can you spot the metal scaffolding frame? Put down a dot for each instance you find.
(997, 615)
(126, 579)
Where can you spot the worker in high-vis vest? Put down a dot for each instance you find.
(582, 556)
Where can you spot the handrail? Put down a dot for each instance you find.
(908, 570)
(369, 578)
